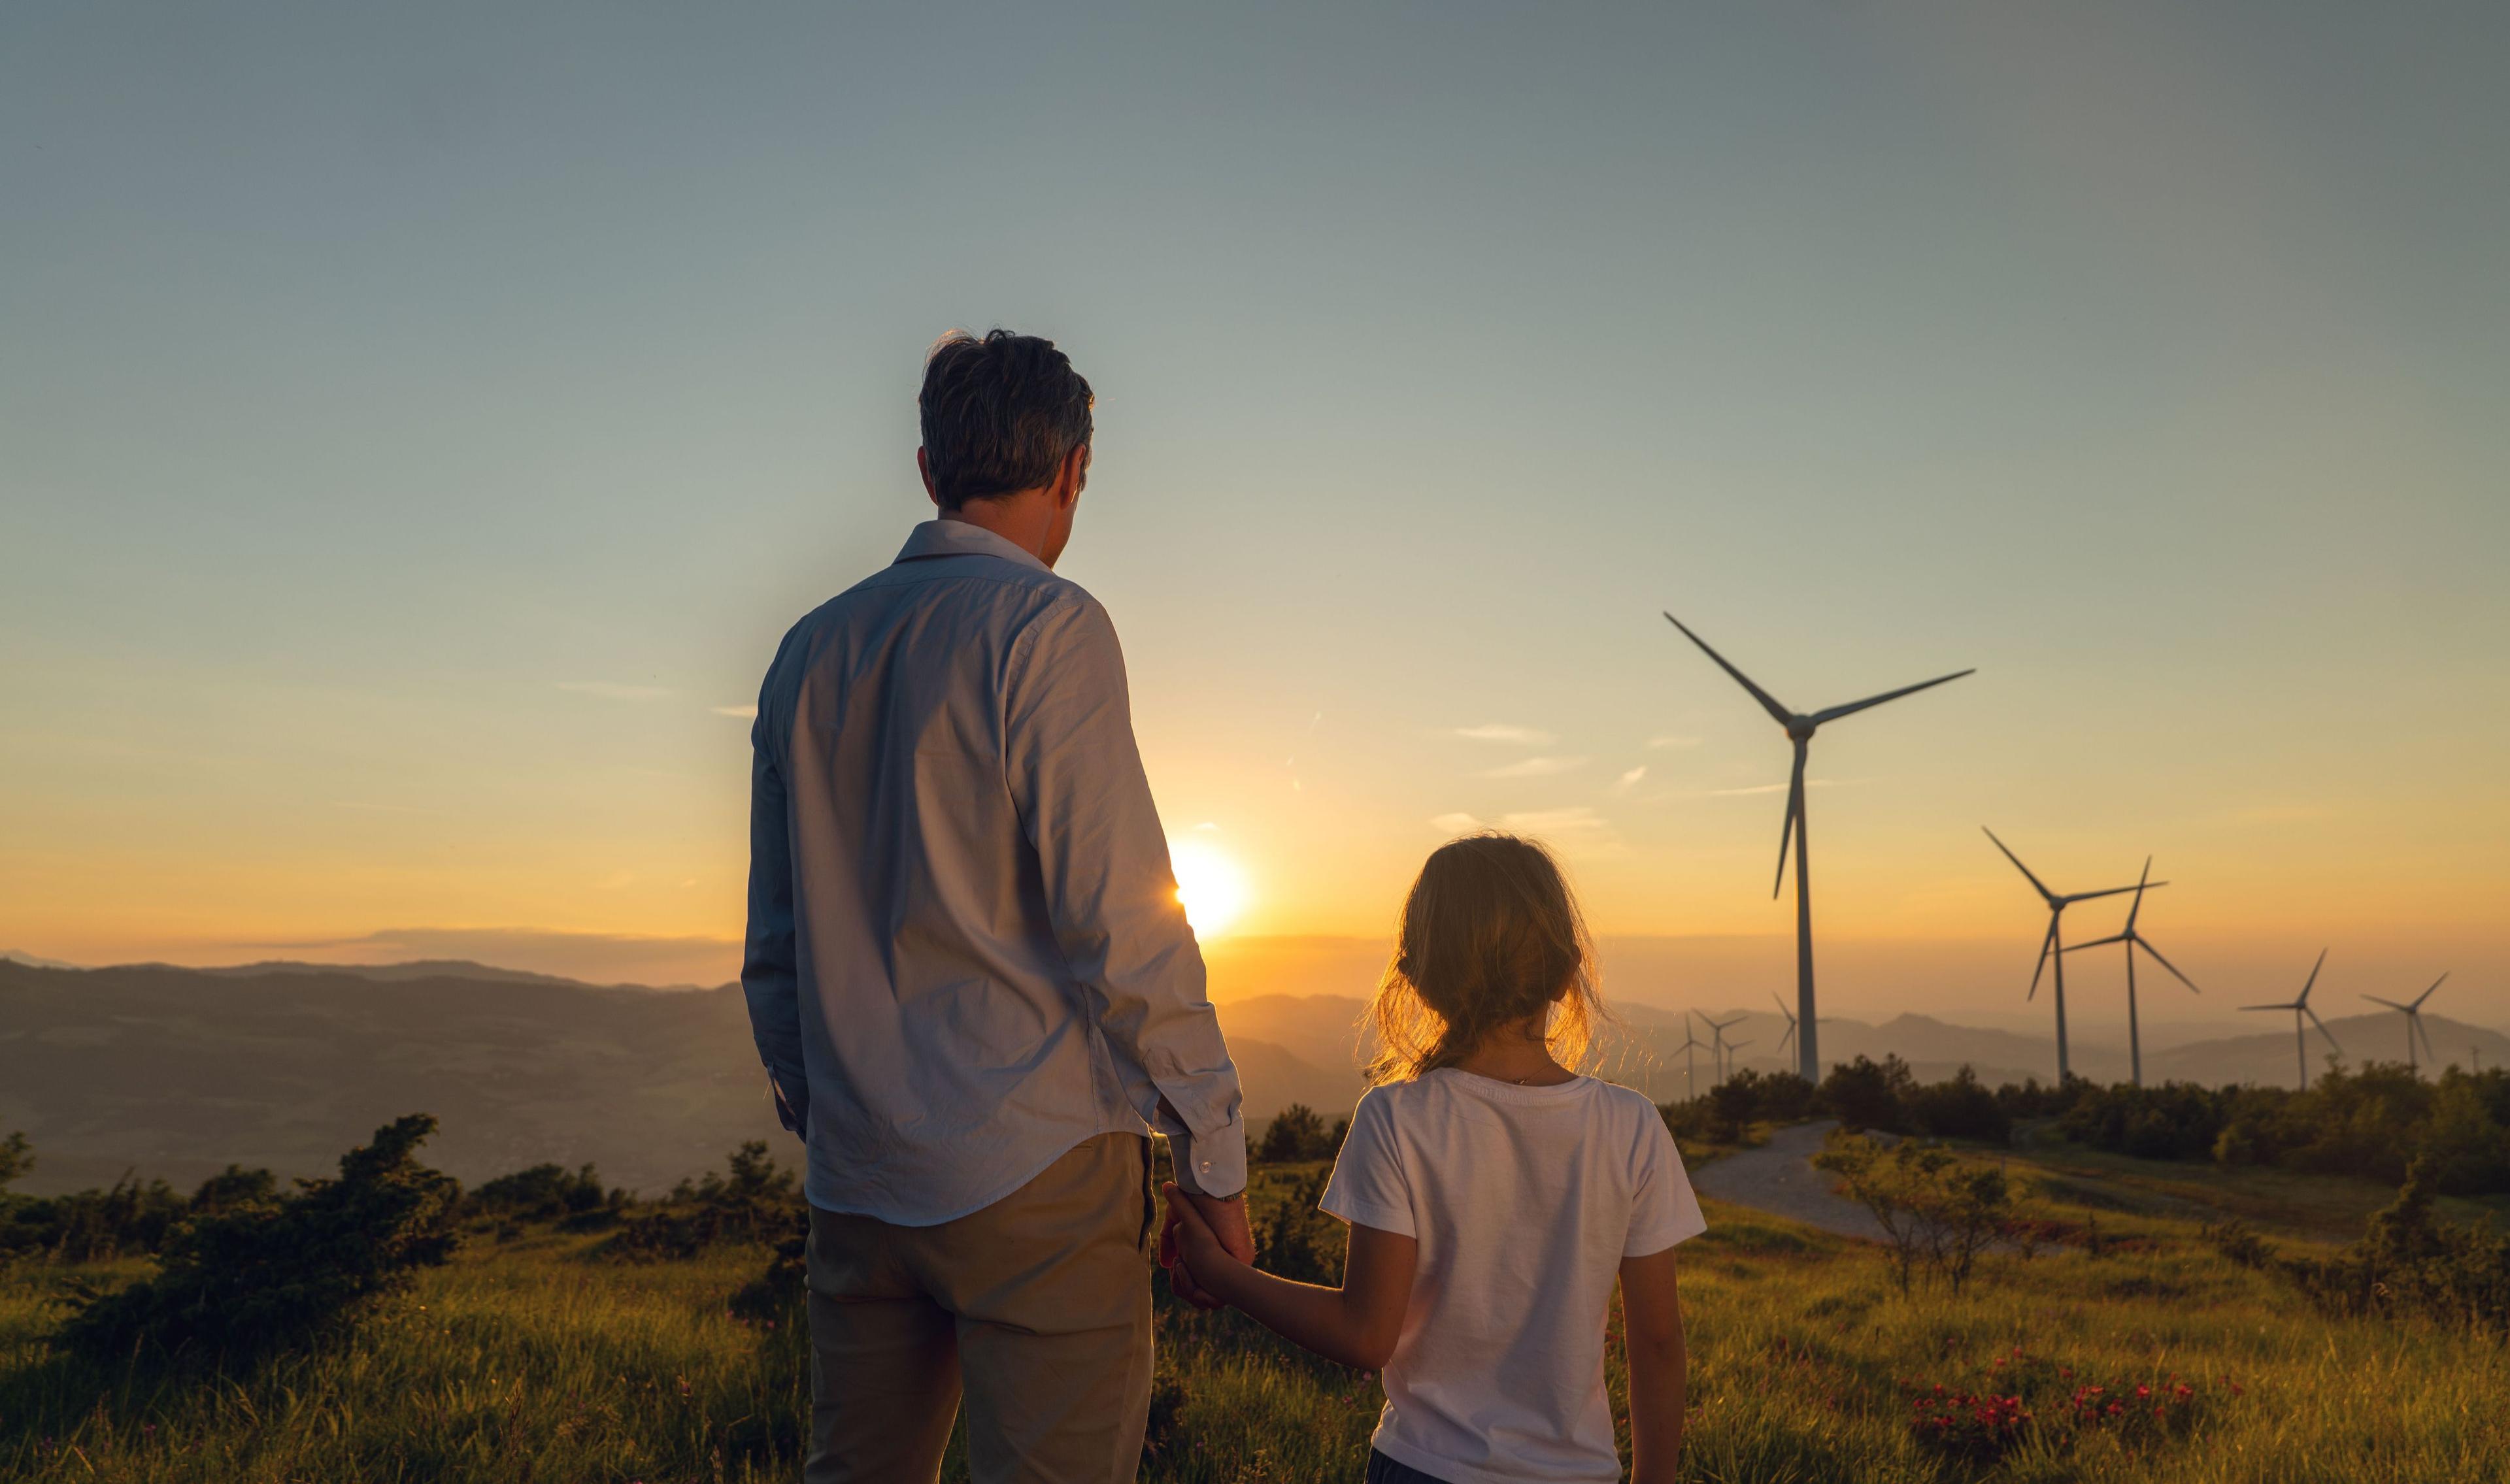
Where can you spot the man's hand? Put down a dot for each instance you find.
(1216, 1225)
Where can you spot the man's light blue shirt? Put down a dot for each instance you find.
(966, 953)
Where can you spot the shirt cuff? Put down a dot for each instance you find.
(1214, 1166)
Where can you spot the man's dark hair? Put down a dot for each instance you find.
(1000, 413)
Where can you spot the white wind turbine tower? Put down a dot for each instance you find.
(2414, 1013)
(2299, 1007)
(2053, 946)
(2135, 940)
(1791, 1024)
(1801, 727)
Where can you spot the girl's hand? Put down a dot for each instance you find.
(1191, 1239)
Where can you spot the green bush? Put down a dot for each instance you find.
(1297, 1134)
(750, 1201)
(264, 1275)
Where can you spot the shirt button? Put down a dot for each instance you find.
(1203, 1166)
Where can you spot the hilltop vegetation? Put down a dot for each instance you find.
(528, 1331)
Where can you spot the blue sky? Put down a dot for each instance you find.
(414, 426)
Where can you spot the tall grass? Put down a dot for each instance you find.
(529, 1360)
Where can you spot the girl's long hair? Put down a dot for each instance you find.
(1488, 937)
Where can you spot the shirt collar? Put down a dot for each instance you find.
(957, 538)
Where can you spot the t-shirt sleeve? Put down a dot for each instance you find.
(1368, 1187)
(1663, 1210)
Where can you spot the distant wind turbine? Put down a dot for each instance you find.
(1800, 727)
(1690, 1044)
(2053, 946)
(1716, 1031)
(2299, 1007)
(2135, 940)
(1791, 1024)
(1730, 1057)
(2414, 1013)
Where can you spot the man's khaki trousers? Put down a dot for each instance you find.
(1039, 1306)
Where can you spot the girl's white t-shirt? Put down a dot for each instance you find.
(1524, 1200)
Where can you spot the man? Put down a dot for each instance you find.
(968, 972)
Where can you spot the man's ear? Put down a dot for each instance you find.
(924, 468)
(1073, 478)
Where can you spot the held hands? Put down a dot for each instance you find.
(1201, 1239)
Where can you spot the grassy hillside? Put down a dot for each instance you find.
(533, 1358)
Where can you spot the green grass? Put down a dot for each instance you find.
(527, 1361)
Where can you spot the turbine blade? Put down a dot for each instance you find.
(2075, 897)
(2141, 884)
(2390, 1004)
(2432, 1055)
(1833, 713)
(2040, 886)
(2045, 945)
(1783, 1007)
(2322, 1028)
(2098, 942)
(2428, 994)
(2304, 997)
(1769, 702)
(1794, 813)
(2269, 1006)
(2165, 962)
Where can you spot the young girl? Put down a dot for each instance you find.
(1494, 1195)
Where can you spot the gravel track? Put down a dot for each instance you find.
(1778, 1178)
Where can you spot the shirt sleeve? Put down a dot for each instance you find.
(1663, 1210)
(1369, 1186)
(768, 978)
(1076, 776)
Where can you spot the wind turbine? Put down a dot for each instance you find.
(1716, 1031)
(2299, 1007)
(1730, 1057)
(1791, 1024)
(2135, 940)
(2054, 944)
(1689, 1065)
(2413, 1020)
(1799, 728)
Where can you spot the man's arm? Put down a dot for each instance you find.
(1356, 1324)
(1077, 777)
(1651, 1329)
(769, 980)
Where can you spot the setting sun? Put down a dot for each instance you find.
(1211, 885)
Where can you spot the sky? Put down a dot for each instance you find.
(418, 425)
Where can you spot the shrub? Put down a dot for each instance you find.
(750, 1201)
(1864, 1093)
(1959, 1108)
(549, 1192)
(263, 1276)
(232, 1187)
(2411, 1262)
(1936, 1212)
(1296, 1240)
(1297, 1134)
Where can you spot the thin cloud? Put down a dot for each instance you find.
(1737, 793)
(1673, 740)
(612, 690)
(1628, 780)
(1456, 824)
(1502, 732)
(739, 712)
(1534, 768)
(1576, 821)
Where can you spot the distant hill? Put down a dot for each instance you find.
(178, 1072)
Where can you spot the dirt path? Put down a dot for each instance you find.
(1778, 1178)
